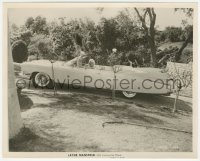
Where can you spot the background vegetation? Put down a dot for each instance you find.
(136, 39)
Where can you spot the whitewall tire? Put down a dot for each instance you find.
(128, 94)
(41, 79)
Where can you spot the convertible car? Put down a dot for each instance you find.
(127, 79)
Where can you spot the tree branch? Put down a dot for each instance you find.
(145, 15)
(150, 15)
(154, 16)
(142, 20)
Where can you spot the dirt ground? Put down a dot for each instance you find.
(89, 121)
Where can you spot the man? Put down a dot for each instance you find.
(91, 63)
(78, 38)
(81, 59)
(113, 58)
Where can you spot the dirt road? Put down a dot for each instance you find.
(72, 121)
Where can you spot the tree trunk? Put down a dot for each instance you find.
(150, 31)
(153, 52)
(179, 53)
(14, 116)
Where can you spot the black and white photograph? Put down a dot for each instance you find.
(101, 80)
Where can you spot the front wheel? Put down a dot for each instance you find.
(41, 80)
(128, 94)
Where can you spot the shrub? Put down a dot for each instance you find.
(186, 56)
(141, 56)
(19, 51)
(173, 34)
(45, 48)
(40, 46)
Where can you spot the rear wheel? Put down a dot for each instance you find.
(129, 94)
(41, 80)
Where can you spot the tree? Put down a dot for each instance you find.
(62, 39)
(33, 46)
(20, 33)
(14, 29)
(29, 22)
(37, 25)
(188, 39)
(107, 33)
(149, 30)
(14, 117)
(106, 36)
(26, 36)
(129, 34)
(173, 34)
(189, 13)
(19, 51)
(45, 48)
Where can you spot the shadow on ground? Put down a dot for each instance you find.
(27, 141)
(25, 102)
(57, 121)
(99, 102)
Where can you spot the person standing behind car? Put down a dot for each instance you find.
(113, 59)
(81, 60)
(78, 40)
(80, 54)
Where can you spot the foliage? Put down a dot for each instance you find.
(21, 33)
(168, 54)
(187, 11)
(37, 25)
(25, 36)
(107, 28)
(19, 51)
(62, 40)
(32, 48)
(189, 14)
(149, 15)
(140, 57)
(29, 22)
(45, 48)
(173, 34)
(186, 56)
(129, 35)
(40, 46)
(134, 39)
(186, 32)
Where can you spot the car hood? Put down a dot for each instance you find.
(43, 63)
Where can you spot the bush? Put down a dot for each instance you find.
(62, 40)
(173, 34)
(168, 54)
(186, 57)
(160, 36)
(40, 46)
(45, 48)
(19, 51)
(141, 56)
